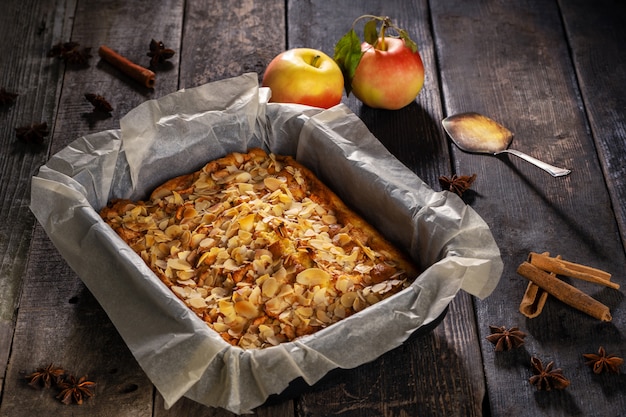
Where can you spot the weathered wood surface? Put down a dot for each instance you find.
(596, 35)
(414, 134)
(24, 70)
(516, 67)
(552, 71)
(59, 321)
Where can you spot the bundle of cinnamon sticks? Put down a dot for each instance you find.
(542, 271)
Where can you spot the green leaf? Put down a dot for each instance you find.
(370, 32)
(348, 55)
(404, 35)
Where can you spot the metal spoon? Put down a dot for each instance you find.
(473, 132)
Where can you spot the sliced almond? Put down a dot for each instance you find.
(246, 309)
(347, 299)
(247, 223)
(270, 287)
(178, 264)
(257, 257)
(197, 303)
(273, 183)
(313, 276)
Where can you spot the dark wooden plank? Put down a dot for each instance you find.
(443, 369)
(430, 375)
(27, 29)
(597, 33)
(71, 328)
(188, 408)
(413, 134)
(510, 61)
(126, 27)
(116, 88)
(61, 323)
(223, 40)
(227, 39)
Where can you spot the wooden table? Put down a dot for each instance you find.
(552, 71)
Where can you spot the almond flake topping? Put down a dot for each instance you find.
(259, 249)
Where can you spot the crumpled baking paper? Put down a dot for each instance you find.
(178, 134)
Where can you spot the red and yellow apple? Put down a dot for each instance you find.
(304, 76)
(388, 76)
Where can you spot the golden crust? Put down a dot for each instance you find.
(259, 248)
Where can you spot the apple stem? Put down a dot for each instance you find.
(382, 44)
(315, 61)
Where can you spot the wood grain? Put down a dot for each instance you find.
(27, 29)
(61, 323)
(73, 329)
(596, 33)
(424, 364)
(188, 408)
(226, 39)
(414, 134)
(257, 28)
(128, 28)
(525, 80)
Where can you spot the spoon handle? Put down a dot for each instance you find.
(551, 169)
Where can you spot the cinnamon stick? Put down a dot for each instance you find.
(568, 294)
(135, 71)
(533, 301)
(535, 297)
(571, 269)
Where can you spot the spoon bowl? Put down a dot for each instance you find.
(476, 133)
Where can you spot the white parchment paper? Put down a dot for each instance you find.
(178, 134)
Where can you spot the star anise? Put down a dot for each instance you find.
(458, 184)
(159, 53)
(547, 378)
(601, 362)
(32, 134)
(71, 53)
(45, 377)
(62, 47)
(7, 98)
(77, 57)
(77, 391)
(99, 103)
(506, 339)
